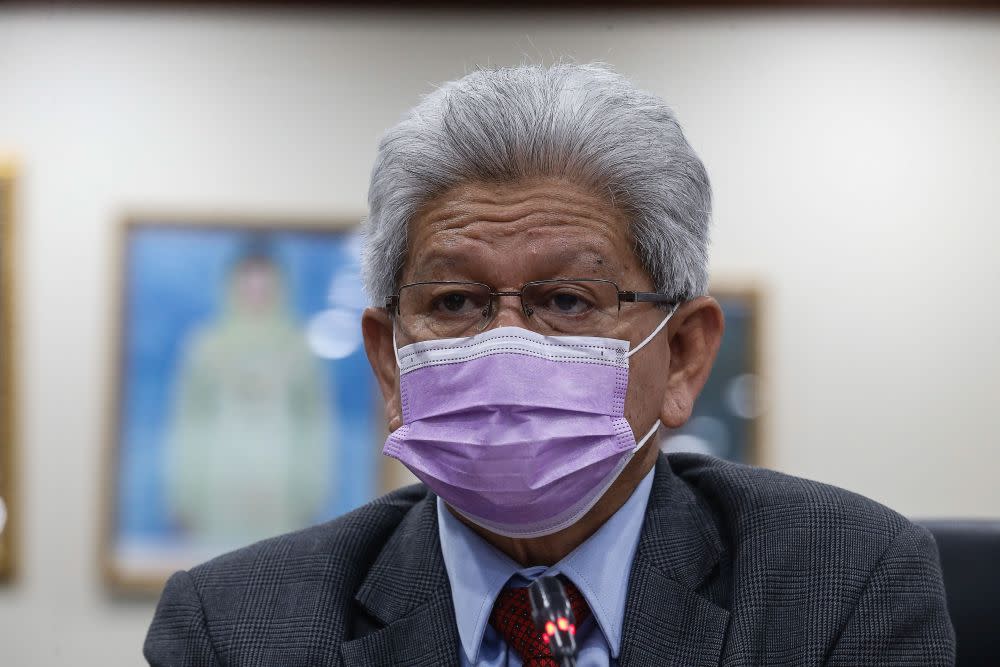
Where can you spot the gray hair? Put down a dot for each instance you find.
(586, 123)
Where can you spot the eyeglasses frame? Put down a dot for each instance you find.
(627, 296)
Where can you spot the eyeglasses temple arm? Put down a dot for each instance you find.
(647, 297)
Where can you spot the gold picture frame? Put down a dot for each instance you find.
(202, 246)
(8, 432)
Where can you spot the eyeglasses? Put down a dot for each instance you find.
(571, 306)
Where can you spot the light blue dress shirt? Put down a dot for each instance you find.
(599, 568)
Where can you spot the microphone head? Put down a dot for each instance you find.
(553, 616)
(548, 595)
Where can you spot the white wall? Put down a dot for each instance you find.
(854, 160)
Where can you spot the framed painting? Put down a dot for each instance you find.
(244, 406)
(8, 497)
(726, 419)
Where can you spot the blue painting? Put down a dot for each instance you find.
(725, 418)
(246, 407)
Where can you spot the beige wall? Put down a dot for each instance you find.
(854, 160)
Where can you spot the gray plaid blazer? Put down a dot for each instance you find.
(735, 566)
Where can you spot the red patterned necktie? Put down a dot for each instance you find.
(511, 617)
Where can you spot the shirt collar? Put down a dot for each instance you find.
(599, 567)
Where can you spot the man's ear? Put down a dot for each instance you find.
(376, 328)
(695, 332)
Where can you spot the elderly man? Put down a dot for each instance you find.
(537, 250)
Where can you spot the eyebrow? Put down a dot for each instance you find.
(428, 264)
(462, 263)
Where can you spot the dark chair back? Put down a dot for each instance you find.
(970, 562)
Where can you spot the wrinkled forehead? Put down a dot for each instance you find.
(524, 230)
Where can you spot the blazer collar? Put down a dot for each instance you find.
(407, 590)
(667, 622)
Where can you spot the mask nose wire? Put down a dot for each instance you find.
(658, 329)
(650, 337)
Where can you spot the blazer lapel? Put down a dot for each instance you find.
(407, 589)
(666, 621)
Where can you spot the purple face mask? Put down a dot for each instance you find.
(519, 432)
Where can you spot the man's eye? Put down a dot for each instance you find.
(567, 303)
(453, 303)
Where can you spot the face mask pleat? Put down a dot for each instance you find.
(472, 436)
(524, 507)
(460, 461)
(468, 386)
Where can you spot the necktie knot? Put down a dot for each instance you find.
(511, 617)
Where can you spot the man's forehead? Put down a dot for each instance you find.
(511, 264)
(541, 228)
(534, 211)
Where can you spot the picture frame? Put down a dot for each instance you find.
(242, 404)
(727, 419)
(8, 432)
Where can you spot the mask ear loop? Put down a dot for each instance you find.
(645, 438)
(657, 330)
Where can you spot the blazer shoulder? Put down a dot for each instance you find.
(757, 505)
(812, 570)
(348, 538)
(287, 598)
